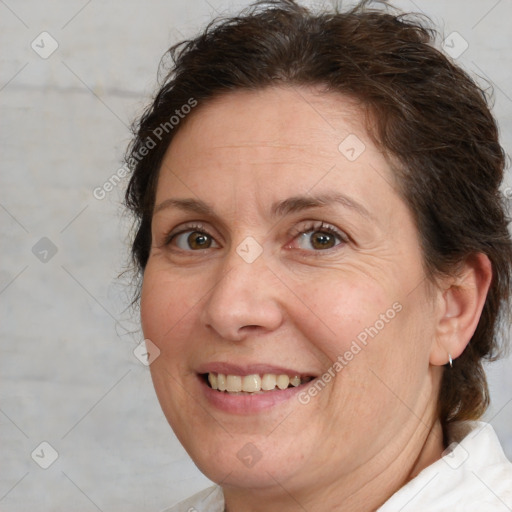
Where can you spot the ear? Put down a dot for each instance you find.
(460, 302)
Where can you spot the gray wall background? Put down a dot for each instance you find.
(68, 373)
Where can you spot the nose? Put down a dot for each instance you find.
(243, 301)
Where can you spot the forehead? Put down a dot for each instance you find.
(271, 143)
(279, 118)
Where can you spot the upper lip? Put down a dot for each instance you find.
(249, 369)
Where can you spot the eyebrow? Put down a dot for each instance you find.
(304, 202)
(187, 205)
(279, 209)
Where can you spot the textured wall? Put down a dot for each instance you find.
(68, 373)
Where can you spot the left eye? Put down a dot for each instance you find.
(318, 239)
(193, 240)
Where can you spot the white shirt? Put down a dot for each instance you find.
(473, 476)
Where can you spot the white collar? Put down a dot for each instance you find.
(472, 475)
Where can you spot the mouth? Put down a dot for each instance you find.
(253, 384)
(250, 388)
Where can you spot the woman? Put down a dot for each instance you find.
(326, 263)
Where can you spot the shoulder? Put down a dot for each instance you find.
(209, 500)
(473, 475)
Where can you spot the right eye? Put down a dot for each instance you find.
(192, 240)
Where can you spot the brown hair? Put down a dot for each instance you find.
(427, 113)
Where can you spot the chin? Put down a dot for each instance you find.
(227, 471)
(244, 461)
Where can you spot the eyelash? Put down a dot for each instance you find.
(169, 237)
(314, 226)
(311, 226)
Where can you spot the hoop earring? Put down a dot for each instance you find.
(450, 360)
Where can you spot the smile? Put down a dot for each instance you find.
(253, 384)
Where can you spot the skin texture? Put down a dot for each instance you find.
(374, 426)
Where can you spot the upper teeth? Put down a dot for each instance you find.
(251, 383)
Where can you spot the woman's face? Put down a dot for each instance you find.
(282, 253)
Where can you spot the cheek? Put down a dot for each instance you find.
(332, 313)
(368, 332)
(168, 310)
(167, 305)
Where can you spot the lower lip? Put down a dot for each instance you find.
(249, 403)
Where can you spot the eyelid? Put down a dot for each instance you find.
(184, 228)
(317, 225)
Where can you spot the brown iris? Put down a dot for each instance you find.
(198, 240)
(322, 240)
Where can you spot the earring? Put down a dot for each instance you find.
(450, 360)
